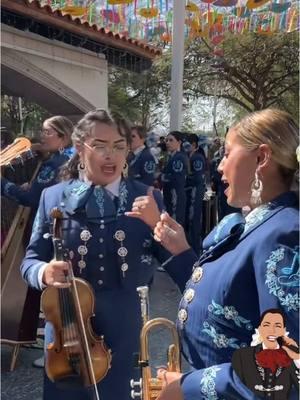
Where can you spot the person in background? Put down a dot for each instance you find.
(218, 186)
(248, 264)
(109, 250)
(195, 189)
(174, 176)
(55, 141)
(141, 164)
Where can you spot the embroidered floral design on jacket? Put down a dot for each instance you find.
(146, 259)
(37, 227)
(219, 339)
(275, 275)
(46, 174)
(99, 194)
(7, 187)
(123, 194)
(208, 386)
(230, 313)
(257, 215)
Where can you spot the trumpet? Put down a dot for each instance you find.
(148, 386)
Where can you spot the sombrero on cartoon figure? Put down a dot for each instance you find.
(256, 3)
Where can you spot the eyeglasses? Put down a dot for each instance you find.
(48, 132)
(103, 150)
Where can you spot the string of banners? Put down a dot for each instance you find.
(152, 20)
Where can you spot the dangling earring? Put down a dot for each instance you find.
(81, 170)
(256, 190)
(125, 170)
(61, 150)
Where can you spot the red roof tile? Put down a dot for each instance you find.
(59, 19)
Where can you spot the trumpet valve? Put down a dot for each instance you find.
(136, 384)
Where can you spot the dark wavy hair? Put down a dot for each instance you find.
(83, 130)
(273, 311)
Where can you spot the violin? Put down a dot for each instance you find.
(76, 357)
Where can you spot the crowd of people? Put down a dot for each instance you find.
(123, 203)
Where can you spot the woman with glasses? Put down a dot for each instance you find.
(107, 248)
(56, 142)
(141, 164)
(174, 176)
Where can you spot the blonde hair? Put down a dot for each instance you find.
(278, 130)
(62, 125)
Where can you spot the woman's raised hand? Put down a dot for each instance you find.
(146, 209)
(171, 235)
(55, 274)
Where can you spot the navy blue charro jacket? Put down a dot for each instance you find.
(114, 254)
(246, 268)
(47, 176)
(142, 167)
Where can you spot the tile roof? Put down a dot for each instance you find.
(57, 18)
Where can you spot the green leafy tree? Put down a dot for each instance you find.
(254, 72)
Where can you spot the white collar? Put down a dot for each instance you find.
(139, 149)
(114, 187)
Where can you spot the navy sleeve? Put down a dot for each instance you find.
(46, 177)
(40, 249)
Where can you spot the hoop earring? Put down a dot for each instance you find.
(125, 170)
(256, 190)
(81, 170)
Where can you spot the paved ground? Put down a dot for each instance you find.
(25, 383)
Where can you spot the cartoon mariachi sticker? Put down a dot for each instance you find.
(270, 367)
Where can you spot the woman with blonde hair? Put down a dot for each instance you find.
(248, 265)
(55, 142)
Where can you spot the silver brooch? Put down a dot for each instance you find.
(120, 236)
(81, 264)
(82, 250)
(85, 235)
(182, 315)
(189, 295)
(197, 274)
(122, 251)
(124, 267)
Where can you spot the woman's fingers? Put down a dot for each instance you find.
(170, 222)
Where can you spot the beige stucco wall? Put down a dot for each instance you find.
(78, 75)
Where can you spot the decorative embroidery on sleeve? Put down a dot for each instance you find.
(149, 167)
(46, 175)
(177, 166)
(7, 187)
(37, 227)
(230, 313)
(197, 165)
(281, 278)
(219, 339)
(208, 385)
